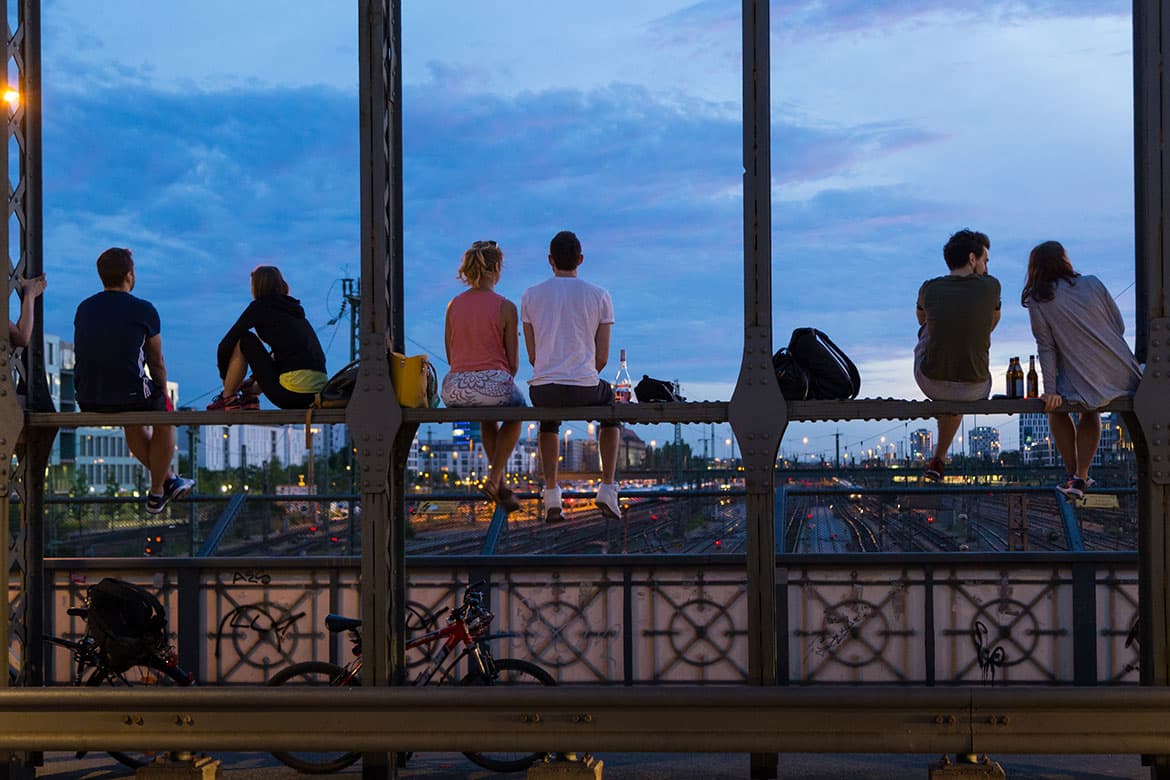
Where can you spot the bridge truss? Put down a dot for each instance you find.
(898, 719)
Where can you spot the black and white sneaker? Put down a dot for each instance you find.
(174, 489)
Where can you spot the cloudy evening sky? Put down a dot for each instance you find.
(213, 136)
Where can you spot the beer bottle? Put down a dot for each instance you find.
(1033, 378)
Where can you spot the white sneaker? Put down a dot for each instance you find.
(552, 505)
(607, 500)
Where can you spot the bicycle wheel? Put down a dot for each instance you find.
(140, 674)
(313, 673)
(511, 671)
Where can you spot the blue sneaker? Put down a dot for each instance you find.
(174, 489)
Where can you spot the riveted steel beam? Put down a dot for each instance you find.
(689, 719)
(700, 412)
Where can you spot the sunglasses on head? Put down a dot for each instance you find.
(483, 244)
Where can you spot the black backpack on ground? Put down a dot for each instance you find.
(813, 367)
(127, 622)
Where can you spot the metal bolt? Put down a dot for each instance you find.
(127, 720)
(945, 720)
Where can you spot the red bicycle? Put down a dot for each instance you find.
(464, 637)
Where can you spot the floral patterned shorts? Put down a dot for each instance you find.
(492, 387)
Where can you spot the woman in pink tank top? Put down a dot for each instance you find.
(483, 352)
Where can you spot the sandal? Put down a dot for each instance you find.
(507, 499)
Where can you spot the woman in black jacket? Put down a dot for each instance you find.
(294, 371)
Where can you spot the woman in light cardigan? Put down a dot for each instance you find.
(1084, 358)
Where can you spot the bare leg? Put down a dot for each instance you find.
(608, 440)
(153, 449)
(549, 452)
(948, 426)
(1064, 435)
(1088, 437)
(505, 441)
(236, 369)
(138, 440)
(487, 439)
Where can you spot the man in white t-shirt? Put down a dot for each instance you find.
(567, 322)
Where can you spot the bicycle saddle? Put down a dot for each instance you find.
(337, 623)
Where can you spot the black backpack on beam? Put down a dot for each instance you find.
(812, 367)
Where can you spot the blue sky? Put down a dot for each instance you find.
(214, 136)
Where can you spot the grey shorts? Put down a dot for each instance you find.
(943, 390)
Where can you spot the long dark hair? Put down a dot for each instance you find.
(267, 280)
(1047, 265)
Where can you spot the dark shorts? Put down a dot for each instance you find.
(157, 402)
(572, 395)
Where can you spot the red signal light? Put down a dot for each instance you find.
(718, 542)
(930, 519)
(313, 529)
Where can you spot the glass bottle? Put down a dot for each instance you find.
(1033, 378)
(623, 386)
(1015, 379)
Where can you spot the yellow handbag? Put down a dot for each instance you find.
(414, 380)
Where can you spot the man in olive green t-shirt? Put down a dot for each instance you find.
(957, 313)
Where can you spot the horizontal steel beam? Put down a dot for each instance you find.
(690, 719)
(649, 562)
(702, 412)
(184, 417)
(936, 490)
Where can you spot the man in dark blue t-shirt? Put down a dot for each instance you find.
(116, 337)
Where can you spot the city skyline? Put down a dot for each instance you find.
(208, 165)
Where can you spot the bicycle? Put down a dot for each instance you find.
(153, 668)
(467, 628)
